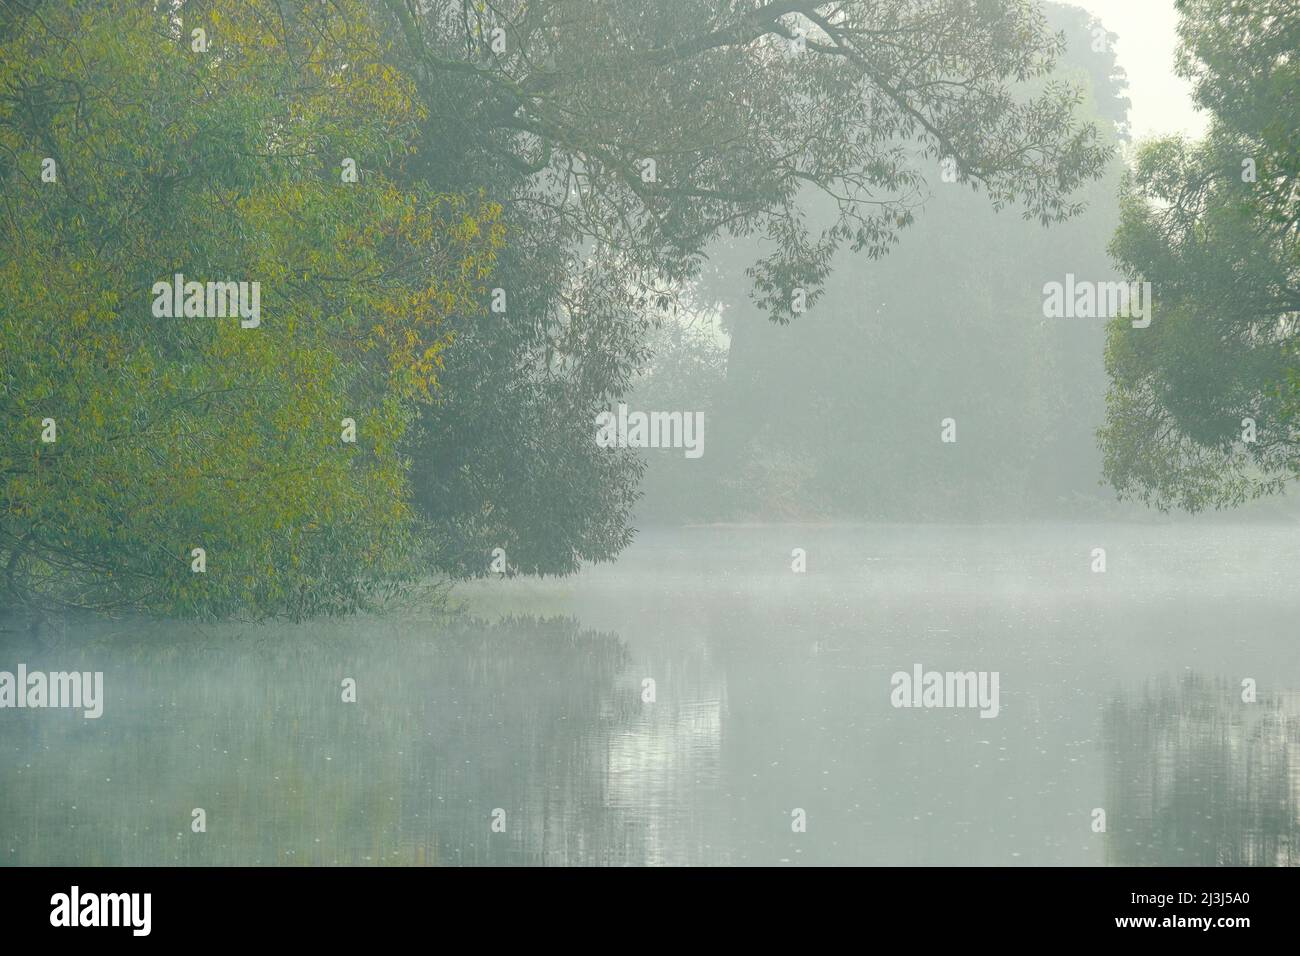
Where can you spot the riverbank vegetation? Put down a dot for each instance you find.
(466, 222)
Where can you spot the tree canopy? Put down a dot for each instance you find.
(1202, 406)
(175, 434)
(571, 161)
(632, 145)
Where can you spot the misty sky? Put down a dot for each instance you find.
(1162, 101)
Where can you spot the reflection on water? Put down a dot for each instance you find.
(771, 694)
(509, 715)
(1197, 777)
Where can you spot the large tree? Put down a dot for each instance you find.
(626, 139)
(739, 107)
(949, 324)
(129, 440)
(608, 143)
(1203, 403)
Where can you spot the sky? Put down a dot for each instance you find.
(1147, 29)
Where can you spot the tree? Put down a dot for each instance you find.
(1203, 403)
(167, 435)
(651, 128)
(607, 144)
(625, 139)
(838, 414)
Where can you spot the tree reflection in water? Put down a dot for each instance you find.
(1196, 777)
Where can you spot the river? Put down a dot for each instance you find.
(524, 730)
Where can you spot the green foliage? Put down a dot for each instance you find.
(182, 433)
(556, 121)
(1222, 255)
(738, 125)
(838, 414)
(475, 429)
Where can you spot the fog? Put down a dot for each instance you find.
(660, 433)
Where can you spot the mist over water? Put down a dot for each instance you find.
(1118, 690)
(653, 432)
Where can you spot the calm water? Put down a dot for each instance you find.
(1119, 691)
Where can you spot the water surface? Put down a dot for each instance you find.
(1119, 691)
